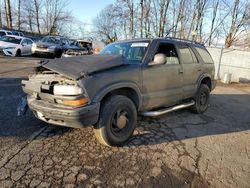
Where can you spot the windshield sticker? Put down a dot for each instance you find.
(141, 44)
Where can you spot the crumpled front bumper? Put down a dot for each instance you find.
(75, 117)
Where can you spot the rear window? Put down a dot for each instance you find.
(204, 55)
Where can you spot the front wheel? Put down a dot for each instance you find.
(201, 99)
(18, 53)
(117, 121)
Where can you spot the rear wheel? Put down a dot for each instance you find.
(117, 121)
(201, 99)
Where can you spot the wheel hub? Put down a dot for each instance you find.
(121, 122)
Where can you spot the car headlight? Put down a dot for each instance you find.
(67, 90)
(9, 48)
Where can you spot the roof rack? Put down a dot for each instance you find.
(183, 40)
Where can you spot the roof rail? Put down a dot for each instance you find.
(183, 40)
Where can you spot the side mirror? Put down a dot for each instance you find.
(24, 44)
(159, 59)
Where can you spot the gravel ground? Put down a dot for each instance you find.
(180, 149)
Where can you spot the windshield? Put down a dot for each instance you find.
(133, 52)
(10, 39)
(51, 40)
(2, 33)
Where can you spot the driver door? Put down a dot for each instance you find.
(25, 47)
(162, 84)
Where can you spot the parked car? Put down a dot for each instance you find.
(11, 45)
(150, 77)
(5, 32)
(74, 49)
(52, 46)
(17, 33)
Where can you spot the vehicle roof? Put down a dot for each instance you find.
(18, 37)
(166, 39)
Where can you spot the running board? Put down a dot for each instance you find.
(167, 110)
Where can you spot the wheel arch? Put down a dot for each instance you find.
(129, 90)
(205, 79)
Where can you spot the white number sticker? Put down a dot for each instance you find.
(139, 44)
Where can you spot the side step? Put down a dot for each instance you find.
(167, 110)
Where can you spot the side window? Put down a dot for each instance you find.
(29, 42)
(194, 56)
(204, 55)
(24, 42)
(170, 52)
(186, 54)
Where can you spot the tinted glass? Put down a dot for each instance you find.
(52, 40)
(10, 39)
(204, 55)
(186, 55)
(2, 33)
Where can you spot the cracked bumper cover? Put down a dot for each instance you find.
(75, 117)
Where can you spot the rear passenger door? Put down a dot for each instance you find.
(191, 70)
(162, 84)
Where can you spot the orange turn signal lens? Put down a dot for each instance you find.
(77, 102)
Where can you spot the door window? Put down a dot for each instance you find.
(170, 52)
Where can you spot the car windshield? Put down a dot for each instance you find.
(2, 33)
(133, 52)
(52, 40)
(10, 39)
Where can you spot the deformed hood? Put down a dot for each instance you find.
(76, 67)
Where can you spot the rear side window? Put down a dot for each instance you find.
(186, 54)
(204, 55)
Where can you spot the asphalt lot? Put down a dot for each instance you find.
(180, 149)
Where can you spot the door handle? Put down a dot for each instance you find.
(180, 71)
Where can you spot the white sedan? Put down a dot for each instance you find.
(11, 45)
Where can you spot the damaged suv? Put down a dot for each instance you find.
(149, 77)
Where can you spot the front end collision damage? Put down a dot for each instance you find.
(71, 107)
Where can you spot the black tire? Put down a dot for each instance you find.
(117, 121)
(58, 54)
(18, 53)
(201, 99)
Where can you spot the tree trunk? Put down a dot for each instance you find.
(37, 16)
(1, 24)
(213, 21)
(8, 13)
(141, 18)
(19, 15)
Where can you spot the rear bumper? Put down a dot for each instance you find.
(75, 117)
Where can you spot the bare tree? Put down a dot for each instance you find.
(8, 13)
(106, 25)
(130, 5)
(147, 9)
(37, 5)
(19, 15)
(1, 23)
(214, 14)
(239, 17)
(141, 17)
